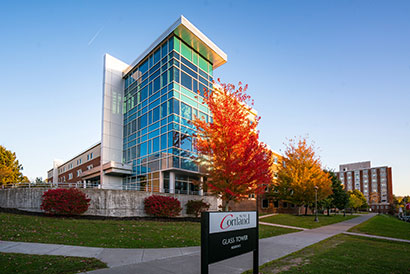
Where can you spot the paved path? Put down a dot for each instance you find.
(187, 259)
(377, 237)
(284, 226)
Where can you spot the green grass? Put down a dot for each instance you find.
(23, 263)
(305, 221)
(107, 233)
(345, 254)
(384, 225)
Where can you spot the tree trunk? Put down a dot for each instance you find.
(328, 211)
(306, 209)
(226, 207)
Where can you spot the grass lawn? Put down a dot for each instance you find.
(107, 233)
(345, 254)
(306, 221)
(23, 263)
(384, 225)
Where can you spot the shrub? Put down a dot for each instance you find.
(162, 206)
(69, 201)
(195, 207)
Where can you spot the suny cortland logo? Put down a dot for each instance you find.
(230, 221)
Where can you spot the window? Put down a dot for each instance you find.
(89, 167)
(285, 204)
(265, 203)
(79, 172)
(275, 204)
(70, 176)
(275, 160)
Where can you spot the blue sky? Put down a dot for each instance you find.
(338, 71)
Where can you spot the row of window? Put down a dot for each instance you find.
(193, 60)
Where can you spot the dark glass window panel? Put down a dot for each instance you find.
(164, 79)
(143, 149)
(186, 111)
(144, 67)
(194, 86)
(186, 80)
(155, 144)
(156, 85)
(189, 64)
(203, 81)
(157, 55)
(164, 49)
(143, 120)
(188, 71)
(163, 141)
(175, 106)
(149, 147)
(155, 114)
(154, 75)
(150, 117)
(144, 93)
(164, 110)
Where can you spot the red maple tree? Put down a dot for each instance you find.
(236, 162)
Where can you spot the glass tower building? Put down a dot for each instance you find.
(147, 138)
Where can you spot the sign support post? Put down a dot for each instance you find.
(204, 239)
(228, 234)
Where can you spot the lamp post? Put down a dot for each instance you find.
(316, 218)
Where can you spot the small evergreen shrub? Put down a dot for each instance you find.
(63, 201)
(162, 206)
(195, 207)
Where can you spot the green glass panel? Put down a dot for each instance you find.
(189, 101)
(195, 58)
(211, 70)
(186, 52)
(203, 64)
(176, 86)
(176, 94)
(189, 93)
(176, 44)
(203, 108)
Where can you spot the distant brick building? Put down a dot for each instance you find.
(84, 168)
(374, 182)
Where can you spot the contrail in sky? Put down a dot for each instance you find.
(95, 36)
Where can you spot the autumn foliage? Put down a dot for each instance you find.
(162, 206)
(63, 201)
(300, 172)
(236, 162)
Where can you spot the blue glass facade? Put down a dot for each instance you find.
(160, 98)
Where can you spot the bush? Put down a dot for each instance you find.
(69, 201)
(162, 206)
(195, 207)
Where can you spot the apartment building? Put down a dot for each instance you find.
(374, 182)
(83, 169)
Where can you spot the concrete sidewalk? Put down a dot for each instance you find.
(377, 237)
(269, 249)
(187, 259)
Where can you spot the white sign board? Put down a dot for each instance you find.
(230, 221)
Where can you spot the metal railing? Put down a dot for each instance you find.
(50, 185)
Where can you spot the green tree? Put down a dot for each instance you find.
(357, 199)
(10, 168)
(339, 197)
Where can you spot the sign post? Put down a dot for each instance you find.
(228, 234)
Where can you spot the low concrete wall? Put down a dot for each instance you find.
(104, 202)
